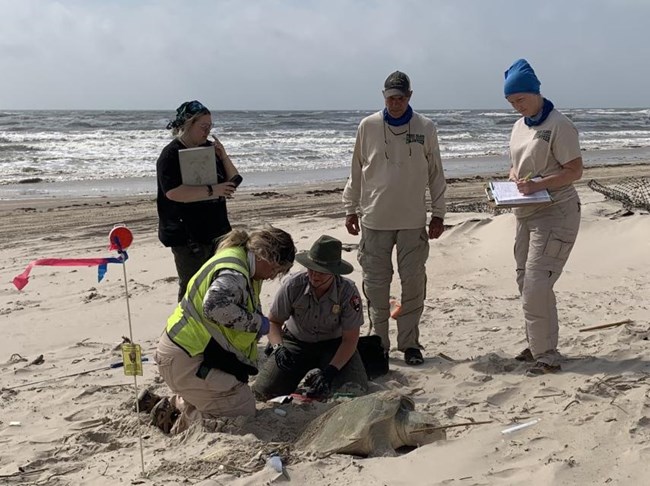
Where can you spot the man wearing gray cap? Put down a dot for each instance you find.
(396, 159)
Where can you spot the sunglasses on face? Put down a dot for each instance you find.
(205, 126)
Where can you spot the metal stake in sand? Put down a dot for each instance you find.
(120, 238)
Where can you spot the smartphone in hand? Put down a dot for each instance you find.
(236, 179)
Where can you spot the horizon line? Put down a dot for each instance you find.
(285, 110)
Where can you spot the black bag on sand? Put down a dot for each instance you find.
(375, 359)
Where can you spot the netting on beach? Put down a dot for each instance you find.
(633, 192)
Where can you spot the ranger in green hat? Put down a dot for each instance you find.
(314, 328)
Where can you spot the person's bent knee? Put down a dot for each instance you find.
(261, 393)
(249, 410)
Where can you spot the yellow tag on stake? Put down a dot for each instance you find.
(132, 359)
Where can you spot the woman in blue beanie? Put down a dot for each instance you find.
(545, 154)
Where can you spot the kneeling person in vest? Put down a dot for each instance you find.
(321, 314)
(209, 347)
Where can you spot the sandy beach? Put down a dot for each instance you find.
(591, 421)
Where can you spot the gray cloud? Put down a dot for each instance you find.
(316, 55)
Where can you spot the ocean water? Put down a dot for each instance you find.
(103, 152)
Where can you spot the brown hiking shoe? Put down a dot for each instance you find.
(525, 355)
(164, 415)
(540, 368)
(146, 400)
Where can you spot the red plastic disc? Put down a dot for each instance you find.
(120, 238)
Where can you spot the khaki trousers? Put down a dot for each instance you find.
(218, 395)
(543, 243)
(375, 257)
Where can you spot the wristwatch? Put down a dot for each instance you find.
(210, 191)
(276, 346)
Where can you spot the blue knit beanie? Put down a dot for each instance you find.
(520, 78)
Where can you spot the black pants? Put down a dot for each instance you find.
(189, 259)
(272, 381)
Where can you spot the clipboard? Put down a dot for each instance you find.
(198, 166)
(504, 194)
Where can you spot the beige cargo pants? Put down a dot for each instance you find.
(218, 395)
(543, 243)
(375, 256)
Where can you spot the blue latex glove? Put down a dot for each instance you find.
(264, 327)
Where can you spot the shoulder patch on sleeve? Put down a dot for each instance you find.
(355, 302)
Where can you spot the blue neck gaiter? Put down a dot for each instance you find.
(402, 120)
(538, 119)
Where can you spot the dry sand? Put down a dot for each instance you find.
(594, 417)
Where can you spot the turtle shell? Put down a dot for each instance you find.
(371, 425)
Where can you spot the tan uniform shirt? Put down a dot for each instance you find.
(392, 168)
(312, 320)
(542, 150)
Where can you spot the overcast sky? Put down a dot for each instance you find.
(307, 54)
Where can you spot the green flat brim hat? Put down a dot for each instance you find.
(325, 256)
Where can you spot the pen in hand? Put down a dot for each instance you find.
(524, 185)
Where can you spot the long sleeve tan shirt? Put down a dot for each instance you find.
(392, 168)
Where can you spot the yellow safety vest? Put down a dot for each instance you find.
(191, 330)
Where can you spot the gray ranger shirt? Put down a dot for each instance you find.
(312, 320)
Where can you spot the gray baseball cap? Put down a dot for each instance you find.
(397, 84)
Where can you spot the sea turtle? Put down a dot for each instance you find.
(373, 425)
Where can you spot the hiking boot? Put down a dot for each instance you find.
(526, 355)
(540, 368)
(146, 400)
(164, 415)
(413, 357)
